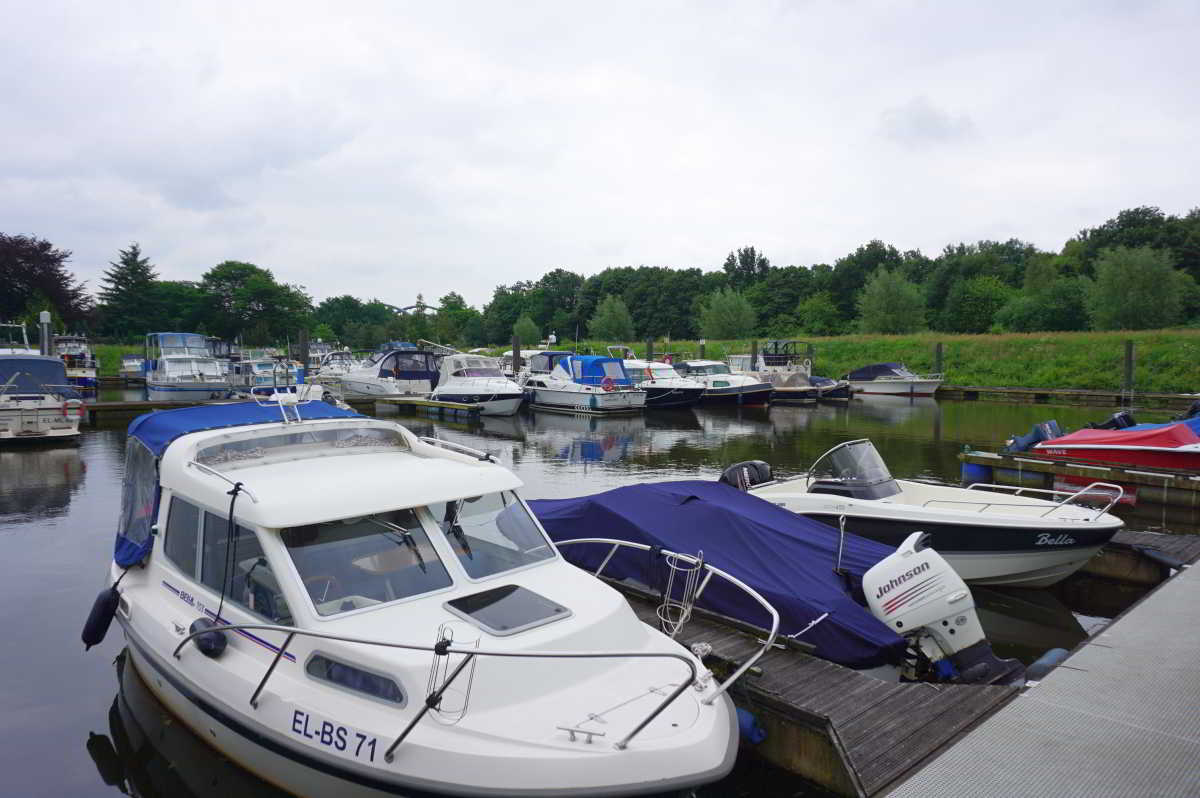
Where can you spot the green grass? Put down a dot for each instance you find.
(108, 357)
(1165, 361)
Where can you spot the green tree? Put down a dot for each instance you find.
(1136, 289)
(33, 273)
(176, 305)
(611, 321)
(526, 329)
(890, 304)
(973, 303)
(1059, 305)
(323, 332)
(126, 294)
(850, 273)
(727, 314)
(245, 299)
(745, 267)
(818, 315)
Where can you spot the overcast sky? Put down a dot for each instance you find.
(385, 149)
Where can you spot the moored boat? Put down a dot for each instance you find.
(370, 613)
(1171, 446)
(180, 366)
(661, 382)
(404, 370)
(36, 401)
(77, 356)
(722, 386)
(582, 384)
(892, 379)
(477, 380)
(1015, 540)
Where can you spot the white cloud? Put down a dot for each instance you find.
(389, 149)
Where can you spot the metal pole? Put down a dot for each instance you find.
(302, 345)
(1127, 386)
(754, 355)
(516, 358)
(44, 332)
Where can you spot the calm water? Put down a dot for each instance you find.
(58, 506)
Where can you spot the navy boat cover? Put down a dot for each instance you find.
(25, 374)
(787, 558)
(150, 435)
(877, 370)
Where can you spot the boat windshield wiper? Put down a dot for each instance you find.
(454, 529)
(405, 536)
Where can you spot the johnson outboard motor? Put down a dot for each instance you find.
(1122, 419)
(921, 598)
(1044, 431)
(746, 474)
(1192, 412)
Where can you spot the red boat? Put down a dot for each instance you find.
(1173, 446)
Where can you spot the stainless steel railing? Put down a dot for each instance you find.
(1108, 489)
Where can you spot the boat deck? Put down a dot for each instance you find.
(1120, 717)
(851, 733)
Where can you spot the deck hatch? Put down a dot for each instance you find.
(507, 610)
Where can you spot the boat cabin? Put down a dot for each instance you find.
(544, 361)
(607, 372)
(700, 368)
(406, 364)
(882, 371)
(464, 366)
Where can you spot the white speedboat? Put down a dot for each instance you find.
(345, 609)
(393, 372)
(892, 379)
(661, 382)
(989, 538)
(722, 386)
(36, 401)
(583, 384)
(77, 356)
(475, 379)
(180, 366)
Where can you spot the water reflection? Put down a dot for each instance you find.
(39, 480)
(1026, 623)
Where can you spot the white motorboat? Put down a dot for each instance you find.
(393, 372)
(77, 356)
(661, 382)
(1015, 540)
(36, 401)
(475, 379)
(582, 384)
(506, 362)
(180, 366)
(892, 379)
(722, 386)
(369, 613)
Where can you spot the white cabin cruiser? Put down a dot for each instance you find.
(583, 384)
(36, 402)
(661, 382)
(892, 379)
(180, 366)
(393, 372)
(722, 386)
(370, 613)
(77, 356)
(988, 538)
(475, 379)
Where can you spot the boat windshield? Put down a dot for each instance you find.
(181, 366)
(709, 368)
(253, 448)
(359, 562)
(855, 461)
(661, 371)
(182, 344)
(491, 533)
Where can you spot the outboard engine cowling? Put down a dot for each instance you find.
(746, 474)
(1044, 431)
(920, 597)
(1122, 419)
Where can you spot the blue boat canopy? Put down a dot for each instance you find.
(149, 436)
(595, 369)
(876, 370)
(35, 374)
(787, 558)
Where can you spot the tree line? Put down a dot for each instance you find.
(1138, 270)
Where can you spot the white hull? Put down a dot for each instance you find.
(501, 407)
(383, 386)
(33, 420)
(587, 401)
(1019, 568)
(896, 387)
(190, 391)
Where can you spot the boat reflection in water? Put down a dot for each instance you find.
(147, 753)
(1025, 624)
(39, 481)
(608, 439)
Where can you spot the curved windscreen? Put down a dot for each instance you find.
(491, 533)
(856, 461)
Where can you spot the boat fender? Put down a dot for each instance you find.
(100, 618)
(211, 643)
(1046, 663)
(104, 757)
(746, 474)
(748, 727)
(1161, 557)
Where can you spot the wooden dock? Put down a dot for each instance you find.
(1067, 396)
(850, 733)
(416, 404)
(1145, 484)
(94, 410)
(1118, 718)
(1129, 556)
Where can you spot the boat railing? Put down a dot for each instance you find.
(710, 570)
(1114, 493)
(444, 648)
(458, 447)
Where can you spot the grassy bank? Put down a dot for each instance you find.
(1166, 361)
(108, 357)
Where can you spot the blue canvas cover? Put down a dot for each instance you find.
(157, 430)
(150, 435)
(25, 374)
(875, 370)
(787, 558)
(592, 370)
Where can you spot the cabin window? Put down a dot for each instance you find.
(491, 533)
(139, 503)
(358, 562)
(249, 581)
(354, 678)
(613, 369)
(183, 535)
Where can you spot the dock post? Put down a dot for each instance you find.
(810, 352)
(753, 357)
(937, 358)
(44, 333)
(649, 349)
(516, 350)
(302, 355)
(1127, 383)
(702, 349)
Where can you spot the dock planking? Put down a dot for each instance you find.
(847, 731)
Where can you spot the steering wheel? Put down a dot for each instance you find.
(607, 384)
(330, 581)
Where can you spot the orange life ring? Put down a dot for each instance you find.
(607, 384)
